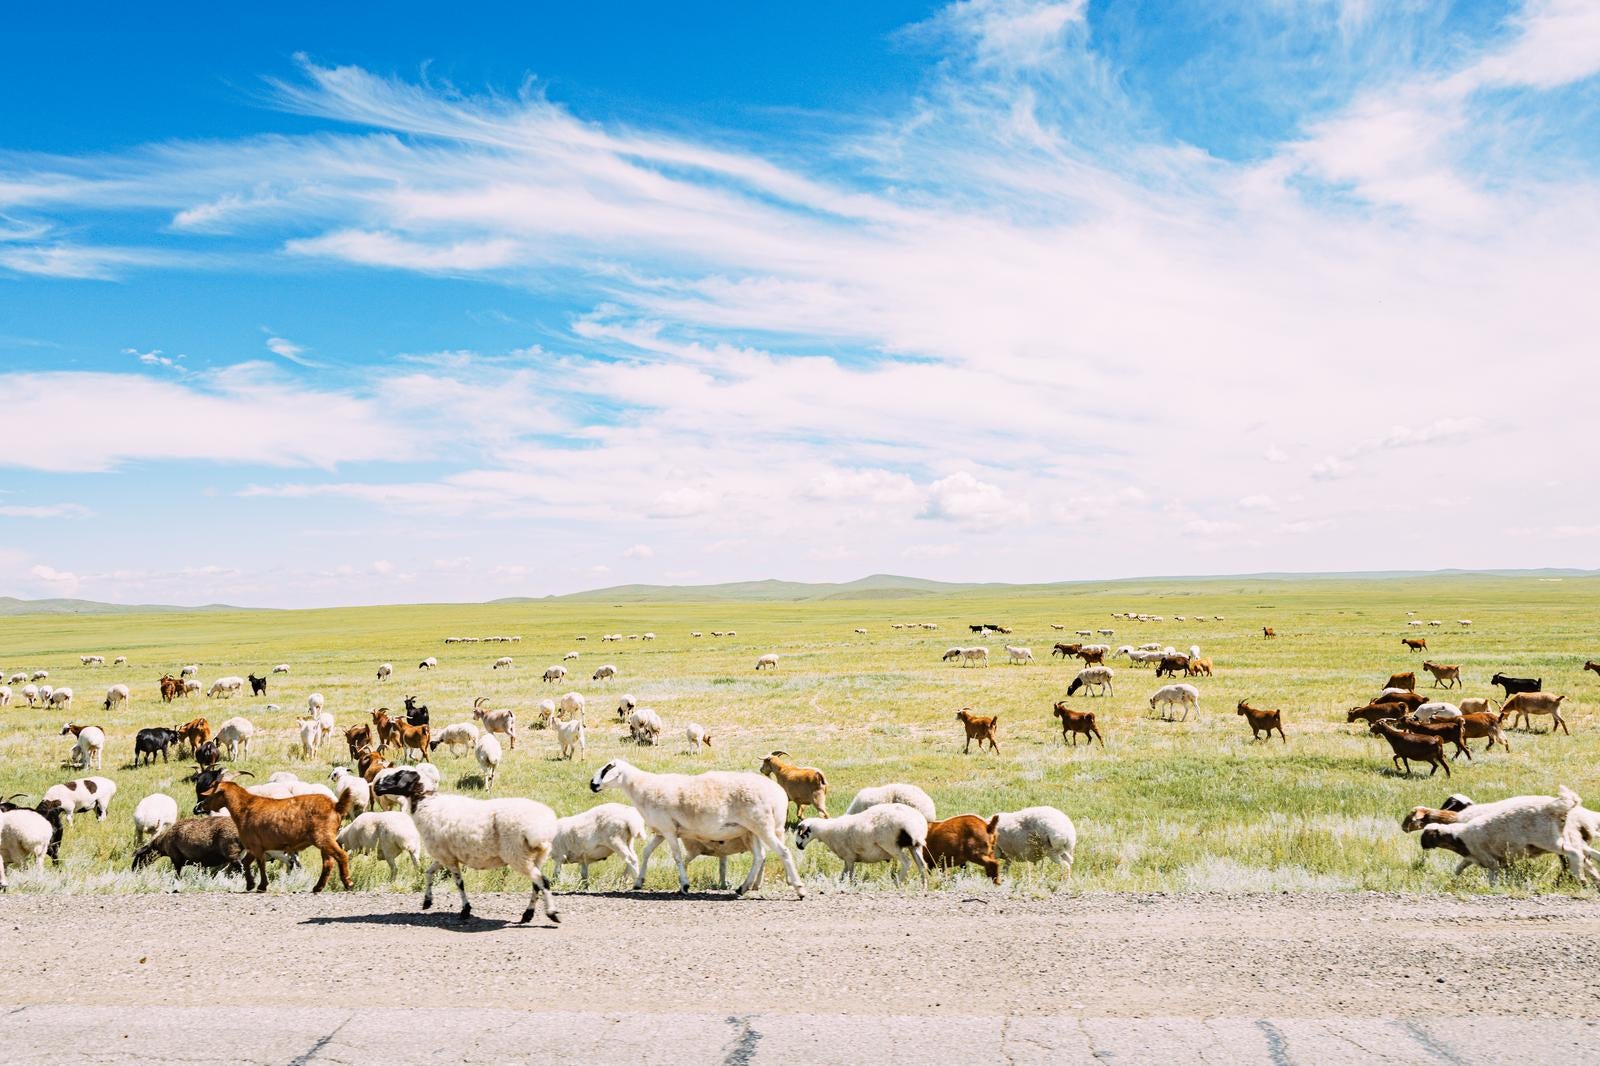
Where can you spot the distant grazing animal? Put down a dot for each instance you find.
(767, 662)
(428, 664)
(1091, 678)
(974, 655)
(1262, 723)
(1074, 723)
(1405, 680)
(385, 670)
(1415, 644)
(952, 654)
(1514, 685)
(89, 742)
(1408, 746)
(554, 673)
(1524, 705)
(980, 728)
(358, 737)
(1168, 696)
(1066, 651)
(258, 685)
(1449, 674)
(1268, 632)
(194, 733)
(155, 739)
(1198, 667)
(504, 660)
(281, 668)
(116, 694)
(1592, 665)
(1171, 665)
(604, 673)
(171, 688)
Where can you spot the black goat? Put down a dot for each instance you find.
(1514, 685)
(258, 685)
(416, 713)
(209, 842)
(151, 740)
(52, 814)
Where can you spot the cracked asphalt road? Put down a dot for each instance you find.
(840, 977)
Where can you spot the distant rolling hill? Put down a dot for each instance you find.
(10, 605)
(875, 587)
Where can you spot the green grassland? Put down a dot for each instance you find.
(1162, 806)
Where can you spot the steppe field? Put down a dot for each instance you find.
(1162, 807)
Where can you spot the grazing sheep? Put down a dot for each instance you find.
(554, 673)
(625, 705)
(964, 839)
(604, 673)
(430, 663)
(1169, 696)
(1018, 654)
(768, 661)
(1036, 833)
(461, 735)
(154, 813)
(390, 834)
(595, 835)
(505, 661)
(720, 806)
(464, 833)
(1524, 705)
(895, 792)
(980, 728)
(88, 745)
(235, 734)
(30, 693)
(281, 668)
(487, 752)
(1092, 678)
(60, 698)
(1074, 723)
(5, 696)
(860, 632)
(644, 725)
(887, 832)
(570, 705)
(951, 655)
(569, 657)
(697, 737)
(84, 794)
(116, 695)
(546, 715)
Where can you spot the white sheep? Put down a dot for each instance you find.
(389, 833)
(281, 668)
(346, 781)
(190, 686)
(38, 675)
(30, 693)
(595, 835)
(487, 752)
(84, 794)
(18, 678)
(385, 670)
(226, 687)
(235, 734)
(505, 661)
(314, 704)
(117, 695)
(89, 744)
(604, 673)
(571, 705)
(570, 737)
(1019, 654)
(5, 695)
(569, 657)
(974, 655)
(153, 814)
(456, 737)
(463, 833)
(61, 698)
(1168, 696)
(121, 660)
(767, 662)
(860, 632)
(698, 737)
(192, 670)
(25, 837)
(626, 704)
(712, 806)
(1091, 678)
(1436, 709)
(554, 673)
(1035, 833)
(644, 725)
(895, 792)
(430, 663)
(547, 714)
(1491, 834)
(887, 832)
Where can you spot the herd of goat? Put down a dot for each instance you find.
(389, 800)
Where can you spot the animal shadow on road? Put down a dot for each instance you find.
(448, 920)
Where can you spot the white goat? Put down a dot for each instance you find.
(595, 835)
(1018, 654)
(487, 751)
(1168, 696)
(697, 736)
(235, 734)
(389, 833)
(570, 738)
(716, 806)
(456, 737)
(84, 794)
(153, 814)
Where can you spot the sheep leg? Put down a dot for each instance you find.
(541, 891)
(675, 846)
(758, 864)
(624, 851)
(461, 886)
(722, 872)
(427, 884)
(922, 863)
(394, 871)
(774, 840)
(644, 861)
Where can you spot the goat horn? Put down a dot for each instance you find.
(778, 753)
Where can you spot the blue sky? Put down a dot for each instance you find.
(391, 306)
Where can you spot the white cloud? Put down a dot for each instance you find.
(1258, 503)
(639, 551)
(961, 497)
(48, 510)
(383, 566)
(290, 352)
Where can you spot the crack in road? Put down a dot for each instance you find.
(744, 1048)
(311, 1052)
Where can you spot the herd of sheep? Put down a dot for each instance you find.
(390, 803)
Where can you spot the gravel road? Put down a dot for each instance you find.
(1271, 978)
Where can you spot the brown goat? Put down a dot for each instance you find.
(369, 764)
(1066, 651)
(1268, 633)
(358, 737)
(1171, 664)
(1407, 746)
(385, 727)
(288, 825)
(1092, 656)
(1377, 712)
(804, 785)
(1478, 724)
(1592, 665)
(1405, 680)
(978, 728)
(1451, 730)
(966, 838)
(194, 733)
(1076, 722)
(1262, 722)
(1524, 705)
(1415, 643)
(1197, 667)
(409, 737)
(1452, 674)
(1412, 700)
(171, 688)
